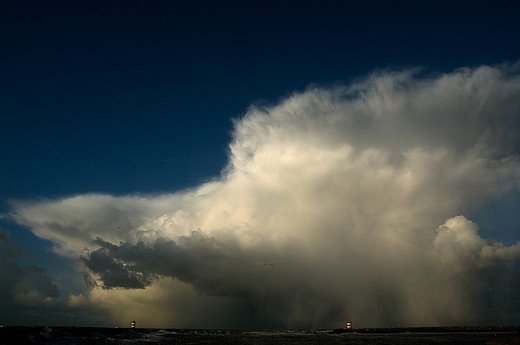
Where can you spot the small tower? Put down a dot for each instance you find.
(348, 325)
(132, 325)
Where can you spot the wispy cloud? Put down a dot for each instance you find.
(335, 203)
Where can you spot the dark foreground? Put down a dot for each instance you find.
(390, 336)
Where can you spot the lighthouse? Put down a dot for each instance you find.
(132, 325)
(348, 325)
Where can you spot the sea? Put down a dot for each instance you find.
(86, 335)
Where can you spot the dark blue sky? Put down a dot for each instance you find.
(137, 96)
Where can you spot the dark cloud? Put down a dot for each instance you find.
(25, 292)
(270, 282)
(197, 259)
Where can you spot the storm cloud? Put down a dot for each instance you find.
(348, 202)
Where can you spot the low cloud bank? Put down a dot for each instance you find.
(343, 203)
(25, 292)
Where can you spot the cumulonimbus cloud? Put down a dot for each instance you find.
(335, 203)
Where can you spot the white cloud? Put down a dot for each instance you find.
(459, 245)
(330, 207)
